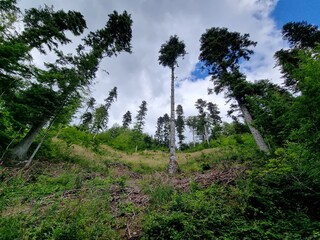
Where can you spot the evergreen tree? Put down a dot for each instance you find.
(213, 117)
(113, 94)
(202, 128)
(166, 130)
(270, 105)
(221, 51)
(304, 115)
(140, 118)
(192, 123)
(214, 113)
(169, 53)
(180, 124)
(40, 93)
(300, 35)
(101, 119)
(86, 117)
(159, 131)
(126, 119)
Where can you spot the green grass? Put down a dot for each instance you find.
(59, 201)
(77, 193)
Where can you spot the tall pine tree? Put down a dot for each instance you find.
(169, 53)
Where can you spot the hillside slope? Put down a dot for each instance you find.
(109, 194)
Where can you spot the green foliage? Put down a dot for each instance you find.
(33, 96)
(225, 212)
(101, 114)
(72, 135)
(11, 227)
(158, 192)
(228, 138)
(195, 147)
(180, 124)
(6, 126)
(170, 51)
(163, 131)
(127, 119)
(197, 215)
(301, 34)
(270, 105)
(45, 21)
(221, 51)
(308, 73)
(125, 139)
(289, 180)
(227, 150)
(67, 220)
(66, 194)
(140, 118)
(56, 151)
(63, 202)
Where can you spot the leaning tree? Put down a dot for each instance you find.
(104, 115)
(44, 94)
(222, 52)
(169, 53)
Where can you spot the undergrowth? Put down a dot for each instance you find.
(59, 201)
(222, 212)
(72, 192)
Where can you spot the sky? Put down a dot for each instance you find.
(138, 76)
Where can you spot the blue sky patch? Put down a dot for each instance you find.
(199, 72)
(297, 11)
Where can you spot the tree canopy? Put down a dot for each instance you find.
(44, 93)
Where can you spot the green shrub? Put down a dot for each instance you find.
(127, 140)
(226, 212)
(195, 215)
(11, 227)
(57, 202)
(290, 181)
(72, 135)
(161, 194)
(56, 151)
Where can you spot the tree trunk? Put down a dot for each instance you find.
(40, 143)
(206, 134)
(193, 137)
(59, 131)
(7, 148)
(20, 151)
(173, 165)
(83, 114)
(96, 133)
(255, 132)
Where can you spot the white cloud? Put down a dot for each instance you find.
(138, 76)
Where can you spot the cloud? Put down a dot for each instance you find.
(138, 76)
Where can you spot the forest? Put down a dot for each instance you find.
(255, 177)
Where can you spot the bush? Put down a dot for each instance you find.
(72, 135)
(290, 181)
(227, 212)
(126, 139)
(57, 202)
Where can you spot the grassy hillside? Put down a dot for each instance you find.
(105, 193)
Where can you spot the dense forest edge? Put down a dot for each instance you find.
(256, 177)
